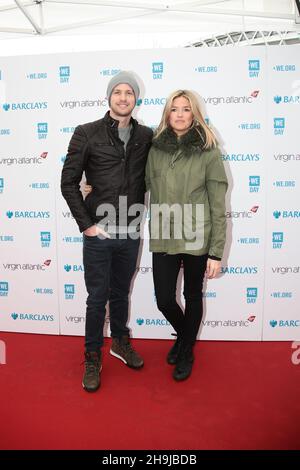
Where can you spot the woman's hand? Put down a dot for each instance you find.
(213, 268)
(87, 189)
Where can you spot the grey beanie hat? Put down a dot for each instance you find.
(123, 77)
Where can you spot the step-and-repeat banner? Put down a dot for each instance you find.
(249, 96)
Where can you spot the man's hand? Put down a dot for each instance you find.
(213, 268)
(95, 231)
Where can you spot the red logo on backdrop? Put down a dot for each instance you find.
(47, 262)
(44, 155)
(254, 209)
(254, 94)
(251, 318)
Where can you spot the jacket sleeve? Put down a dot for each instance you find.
(216, 185)
(71, 176)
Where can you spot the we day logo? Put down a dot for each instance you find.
(254, 184)
(157, 70)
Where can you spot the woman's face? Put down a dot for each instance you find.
(181, 116)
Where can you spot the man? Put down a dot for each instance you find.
(112, 152)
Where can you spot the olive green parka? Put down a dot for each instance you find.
(181, 172)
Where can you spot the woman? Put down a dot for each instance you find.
(185, 173)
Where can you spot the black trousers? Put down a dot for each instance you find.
(165, 274)
(109, 266)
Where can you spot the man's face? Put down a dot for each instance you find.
(122, 100)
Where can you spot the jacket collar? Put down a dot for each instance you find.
(113, 123)
(188, 143)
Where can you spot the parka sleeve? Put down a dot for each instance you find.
(216, 185)
(148, 171)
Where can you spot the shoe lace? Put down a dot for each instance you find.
(128, 349)
(91, 365)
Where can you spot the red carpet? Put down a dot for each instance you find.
(242, 395)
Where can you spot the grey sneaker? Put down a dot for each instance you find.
(122, 349)
(92, 369)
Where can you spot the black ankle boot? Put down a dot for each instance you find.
(173, 353)
(184, 363)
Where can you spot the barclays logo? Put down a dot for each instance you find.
(151, 102)
(241, 157)
(74, 268)
(286, 214)
(4, 131)
(239, 270)
(289, 99)
(25, 106)
(285, 323)
(152, 322)
(1, 185)
(28, 214)
(32, 317)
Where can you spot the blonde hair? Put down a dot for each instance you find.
(198, 121)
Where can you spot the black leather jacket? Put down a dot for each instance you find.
(95, 148)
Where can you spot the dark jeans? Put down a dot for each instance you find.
(109, 266)
(165, 273)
